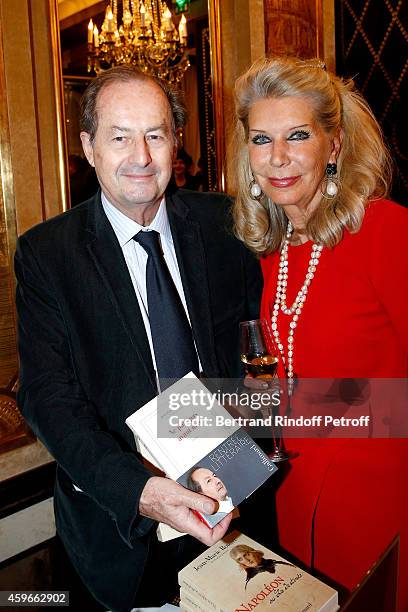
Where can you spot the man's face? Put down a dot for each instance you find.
(251, 559)
(209, 483)
(247, 559)
(133, 147)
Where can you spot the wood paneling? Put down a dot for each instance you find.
(32, 159)
(304, 28)
(241, 41)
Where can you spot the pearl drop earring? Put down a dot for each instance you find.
(330, 185)
(255, 190)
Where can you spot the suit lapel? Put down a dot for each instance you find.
(108, 257)
(189, 247)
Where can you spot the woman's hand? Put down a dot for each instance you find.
(260, 383)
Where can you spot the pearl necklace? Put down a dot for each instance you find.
(296, 309)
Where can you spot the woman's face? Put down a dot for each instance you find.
(179, 167)
(289, 151)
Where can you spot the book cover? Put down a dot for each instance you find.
(173, 433)
(164, 532)
(222, 462)
(233, 470)
(237, 575)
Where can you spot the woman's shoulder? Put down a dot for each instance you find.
(383, 219)
(382, 210)
(384, 229)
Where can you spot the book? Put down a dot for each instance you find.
(237, 575)
(184, 607)
(165, 608)
(187, 599)
(189, 604)
(200, 598)
(164, 532)
(190, 436)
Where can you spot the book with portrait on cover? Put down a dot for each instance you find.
(237, 575)
(222, 462)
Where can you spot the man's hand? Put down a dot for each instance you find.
(168, 502)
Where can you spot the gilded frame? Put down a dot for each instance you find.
(214, 22)
(59, 102)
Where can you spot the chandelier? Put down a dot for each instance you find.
(146, 38)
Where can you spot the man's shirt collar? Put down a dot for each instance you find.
(125, 228)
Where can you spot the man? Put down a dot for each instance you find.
(203, 480)
(253, 562)
(96, 338)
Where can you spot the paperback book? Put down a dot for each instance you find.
(164, 532)
(237, 575)
(221, 462)
(188, 602)
(184, 607)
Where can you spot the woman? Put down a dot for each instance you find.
(252, 561)
(181, 171)
(313, 173)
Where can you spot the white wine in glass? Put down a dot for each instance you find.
(260, 356)
(258, 351)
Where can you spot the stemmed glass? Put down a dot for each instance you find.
(260, 357)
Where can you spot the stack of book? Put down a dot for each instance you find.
(197, 443)
(237, 575)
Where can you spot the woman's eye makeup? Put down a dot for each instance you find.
(260, 139)
(299, 135)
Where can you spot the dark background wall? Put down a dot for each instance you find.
(372, 48)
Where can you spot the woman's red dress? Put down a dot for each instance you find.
(354, 324)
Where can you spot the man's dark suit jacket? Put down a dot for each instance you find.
(86, 366)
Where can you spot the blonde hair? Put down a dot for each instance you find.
(244, 548)
(363, 165)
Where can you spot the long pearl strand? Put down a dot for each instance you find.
(296, 309)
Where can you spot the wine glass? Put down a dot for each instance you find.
(260, 356)
(258, 350)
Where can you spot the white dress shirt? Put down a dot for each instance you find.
(136, 257)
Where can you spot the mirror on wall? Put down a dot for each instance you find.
(198, 137)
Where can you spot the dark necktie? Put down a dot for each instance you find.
(173, 344)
